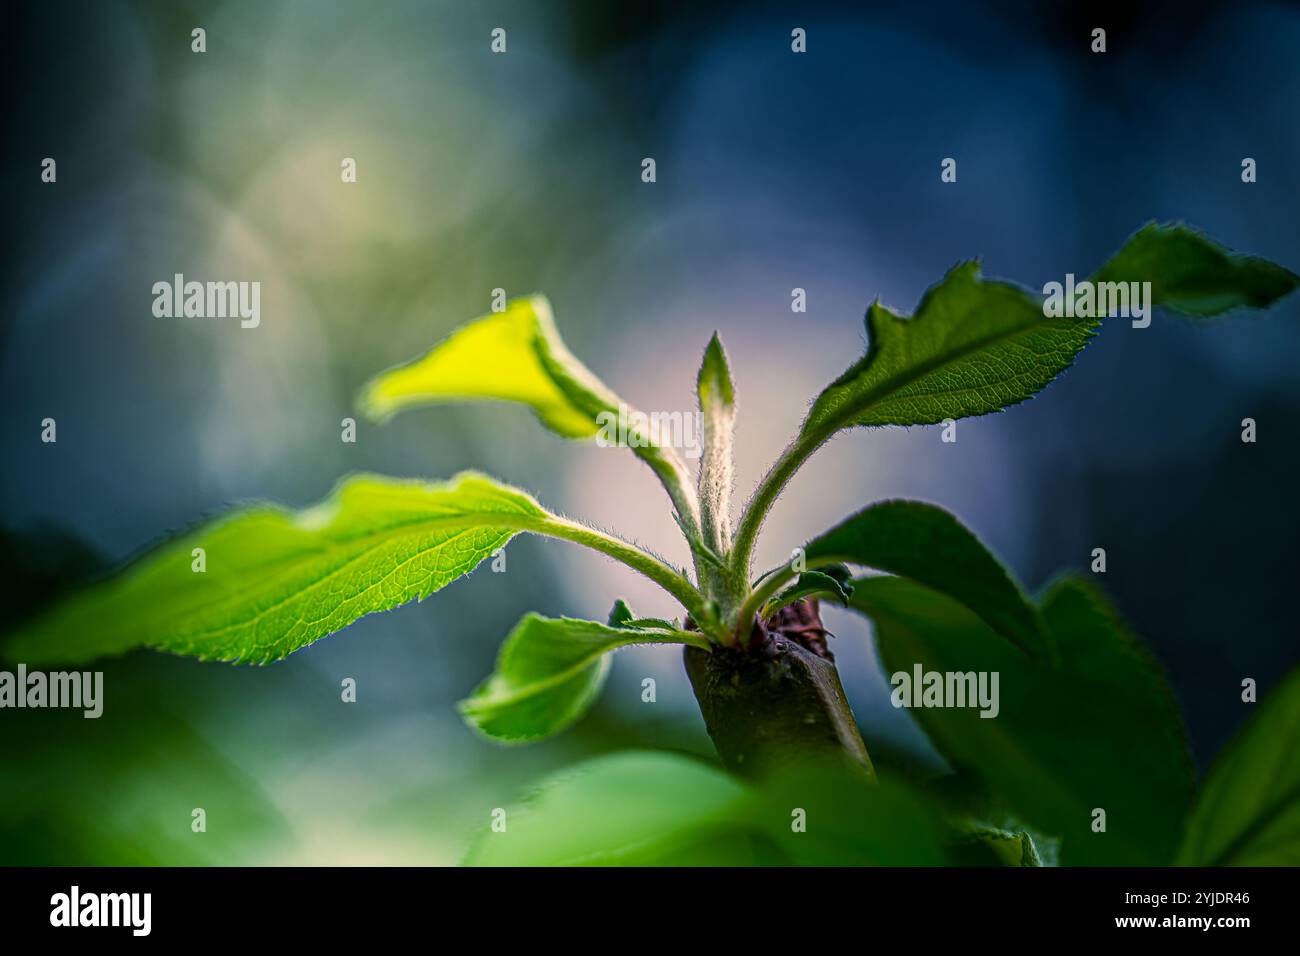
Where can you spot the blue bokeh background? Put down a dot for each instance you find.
(522, 171)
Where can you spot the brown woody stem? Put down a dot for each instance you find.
(778, 703)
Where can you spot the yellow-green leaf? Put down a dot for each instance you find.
(495, 357)
(517, 356)
(261, 583)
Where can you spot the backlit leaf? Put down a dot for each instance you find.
(275, 580)
(518, 356)
(493, 357)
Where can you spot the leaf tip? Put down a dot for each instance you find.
(714, 380)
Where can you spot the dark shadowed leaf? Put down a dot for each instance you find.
(627, 809)
(1248, 812)
(1097, 731)
(922, 541)
(818, 815)
(1194, 275)
(651, 808)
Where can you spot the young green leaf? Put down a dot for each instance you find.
(550, 671)
(1248, 812)
(261, 583)
(827, 583)
(494, 357)
(518, 356)
(1194, 275)
(717, 397)
(1098, 731)
(927, 544)
(976, 346)
(620, 615)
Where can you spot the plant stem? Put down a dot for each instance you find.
(765, 495)
(773, 707)
(648, 564)
(762, 593)
(768, 586)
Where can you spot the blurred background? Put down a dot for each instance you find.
(522, 171)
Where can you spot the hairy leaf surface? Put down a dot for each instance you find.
(276, 580)
(976, 346)
(717, 395)
(493, 357)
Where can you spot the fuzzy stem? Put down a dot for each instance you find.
(765, 495)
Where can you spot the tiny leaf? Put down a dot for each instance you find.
(620, 614)
(550, 670)
(927, 544)
(827, 582)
